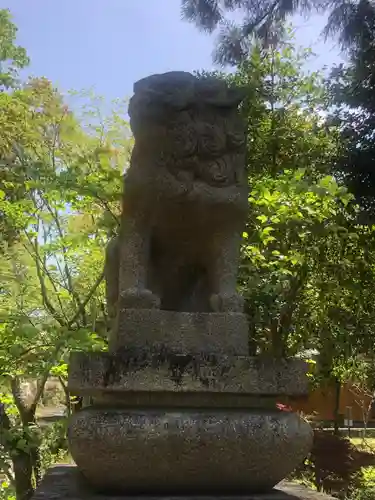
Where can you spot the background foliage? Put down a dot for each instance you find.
(307, 258)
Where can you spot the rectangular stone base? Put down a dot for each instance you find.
(65, 483)
(96, 373)
(215, 333)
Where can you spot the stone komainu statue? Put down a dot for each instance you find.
(185, 198)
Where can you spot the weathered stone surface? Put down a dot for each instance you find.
(64, 482)
(179, 338)
(193, 333)
(146, 370)
(160, 451)
(185, 198)
(192, 400)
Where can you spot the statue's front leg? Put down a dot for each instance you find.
(223, 271)
(134, 261)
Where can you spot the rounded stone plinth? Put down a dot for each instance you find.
(187, 451)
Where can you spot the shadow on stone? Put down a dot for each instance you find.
(66, 483)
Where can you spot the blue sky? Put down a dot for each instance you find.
(109, 44)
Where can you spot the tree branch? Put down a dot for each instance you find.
(87, 299)
(269, 12)
(55, 217)
(41, 382)
(43, 287)
(21, 405)
(105, 204)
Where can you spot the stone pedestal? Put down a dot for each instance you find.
(181, 450)
(178, 406)
(66, 483)
(171, 412)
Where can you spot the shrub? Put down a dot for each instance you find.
(337, 467)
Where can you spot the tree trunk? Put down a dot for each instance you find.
(23, 473)
(36, 462)
(336, 411)
(28, 419)
(78, 405)
(22, 466)
(67, 397)
(27, 465)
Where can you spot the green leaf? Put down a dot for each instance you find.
(262, 218)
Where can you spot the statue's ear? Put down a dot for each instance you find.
(236, 95)
(227, 97)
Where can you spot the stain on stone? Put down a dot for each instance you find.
(178, 364)
(132, 360)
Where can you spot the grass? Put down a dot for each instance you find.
(367, 444)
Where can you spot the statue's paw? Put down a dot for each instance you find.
(227, 302)
(135, 298)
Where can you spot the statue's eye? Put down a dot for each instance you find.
(183, 140)
(211, 139)
(236, 139)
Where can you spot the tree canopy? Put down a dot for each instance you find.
(307, 257)
(352, 89)
(265, 20)
(12, 56)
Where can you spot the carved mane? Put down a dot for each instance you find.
(189, 126)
